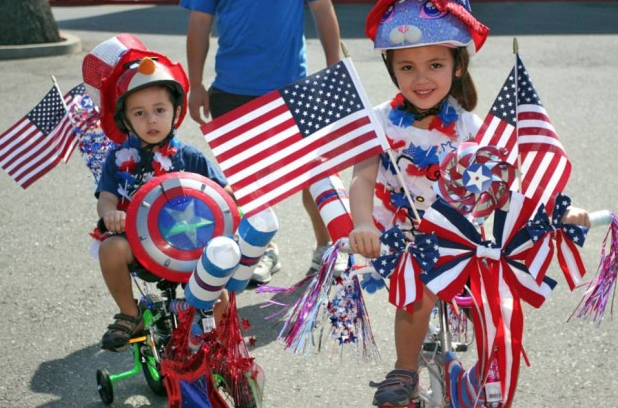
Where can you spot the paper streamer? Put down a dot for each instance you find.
(334, 205)
(218, 262)
(254, 235)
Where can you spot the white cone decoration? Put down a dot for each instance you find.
(217, 264)
(254, 235)
(333, 203)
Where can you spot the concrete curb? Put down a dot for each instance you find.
(69, 45)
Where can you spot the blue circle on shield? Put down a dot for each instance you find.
(186, 223)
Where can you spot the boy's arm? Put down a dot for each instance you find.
(327, 27)
(113, 218)
(198, 45)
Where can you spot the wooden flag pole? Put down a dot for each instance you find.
(400, 178)
(518, 172)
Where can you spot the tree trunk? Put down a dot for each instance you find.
(27, 22)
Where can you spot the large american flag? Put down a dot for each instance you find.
(42, 139)
(282, 142)
(518, 121)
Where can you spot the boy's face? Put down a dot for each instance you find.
(150, 112)
(424, 74)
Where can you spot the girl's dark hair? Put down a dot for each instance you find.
(462, 88)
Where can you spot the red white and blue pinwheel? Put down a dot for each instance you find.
(476, 180)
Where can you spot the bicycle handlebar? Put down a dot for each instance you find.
(600, 218)
(101, 226)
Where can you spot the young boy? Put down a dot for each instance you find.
(145, 98)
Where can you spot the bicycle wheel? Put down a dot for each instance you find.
(249, 390)
(159, 329)
(105, 387)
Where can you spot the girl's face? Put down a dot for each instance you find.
(150, 111)
(424, 74)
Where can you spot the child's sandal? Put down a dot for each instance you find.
(397, 389)
(118, 334)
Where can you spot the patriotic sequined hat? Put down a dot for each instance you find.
(393, 24)
(104, 66)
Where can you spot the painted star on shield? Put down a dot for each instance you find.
(187, 221)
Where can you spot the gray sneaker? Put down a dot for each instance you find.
(269, 264)
(316, 261)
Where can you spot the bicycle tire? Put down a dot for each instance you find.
(150, 366)
(253, 388)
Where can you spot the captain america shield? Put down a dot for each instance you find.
(172, 217)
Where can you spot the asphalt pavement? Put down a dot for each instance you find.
(54, 306)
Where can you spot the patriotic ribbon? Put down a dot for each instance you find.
(497, 274)
(567, 236)
(405, 265)
(464, 252)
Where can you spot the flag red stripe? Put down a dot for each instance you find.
(43, 155)
(303, 152)
(29, 144)
(231, 116)
(299, 170)
(318, 176)
(239, 148)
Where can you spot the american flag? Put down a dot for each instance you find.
(518, 121)
(40, 140)
(282, 142)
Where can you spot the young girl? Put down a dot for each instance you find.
(426, 50)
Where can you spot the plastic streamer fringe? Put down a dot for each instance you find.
(302, 318)
(603, 285)
(349, 317)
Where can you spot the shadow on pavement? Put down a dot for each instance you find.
(64, 379)
(504, 18)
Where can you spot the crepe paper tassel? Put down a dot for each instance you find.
(195, 333)
(476, 180)
(218, 262)
(232, 359)
(302, 318)
(603, 286)
(254, 235)
(333, 203)
(188, 375)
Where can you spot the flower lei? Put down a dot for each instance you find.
(443, 121)
(128, 158)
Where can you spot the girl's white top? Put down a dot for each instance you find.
(411, 142)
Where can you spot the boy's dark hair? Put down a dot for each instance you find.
(462, 88)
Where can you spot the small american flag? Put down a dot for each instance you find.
(39, 141)
(282, 142)
(518, 122)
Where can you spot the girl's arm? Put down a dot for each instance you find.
(577, 216)
(365, 238)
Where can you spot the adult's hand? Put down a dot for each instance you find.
(199, 104)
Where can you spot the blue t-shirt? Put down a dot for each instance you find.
(121, 183)
(261, 43)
